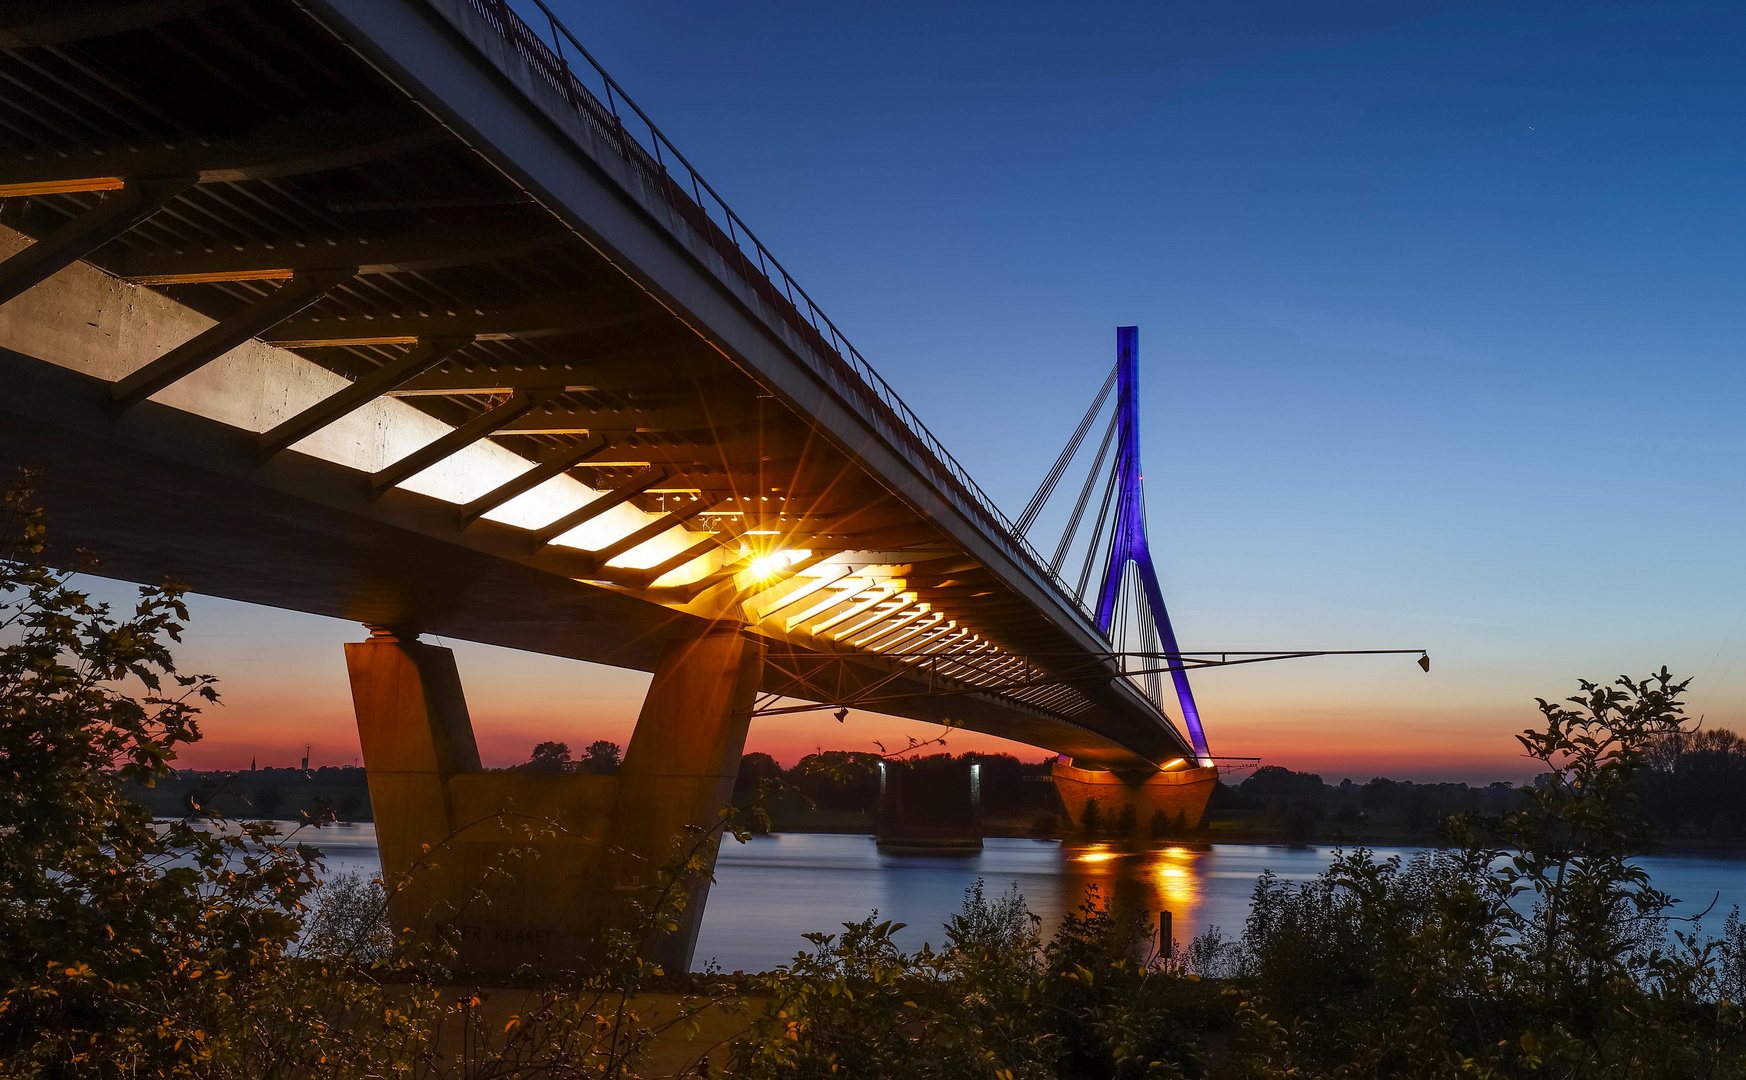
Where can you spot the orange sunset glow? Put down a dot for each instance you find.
(284, 685)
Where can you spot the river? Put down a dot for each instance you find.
(770, 891)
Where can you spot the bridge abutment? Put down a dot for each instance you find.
(525, 869)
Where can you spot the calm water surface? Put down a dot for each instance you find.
(775, 888)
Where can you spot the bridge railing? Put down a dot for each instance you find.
(710, 216)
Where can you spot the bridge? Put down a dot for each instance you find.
(402, 312)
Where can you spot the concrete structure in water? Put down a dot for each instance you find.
(1181, 795)
(379, 312)
(930, 807)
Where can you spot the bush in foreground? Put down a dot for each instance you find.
(1533, 947)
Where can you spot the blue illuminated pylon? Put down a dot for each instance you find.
(1129, 543)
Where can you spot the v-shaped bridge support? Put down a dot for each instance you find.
(1129, 544)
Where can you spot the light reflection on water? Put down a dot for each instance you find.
(775, 888)
(772, 890)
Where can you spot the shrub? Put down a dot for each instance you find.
(1127, 820)
(1091, 818)
(1162, 826)
(127, 946)
(1536, 947)
(993, 1002)
(349, 920)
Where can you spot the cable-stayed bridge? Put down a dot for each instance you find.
(400, 311)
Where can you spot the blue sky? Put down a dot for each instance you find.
(1439, 305)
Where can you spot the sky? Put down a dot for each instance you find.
(1440, 327)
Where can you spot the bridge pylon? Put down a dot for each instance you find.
(1128, 608)
(1130, 546)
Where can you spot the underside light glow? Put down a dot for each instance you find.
(767, 567)
(820, 581)
(383, 432)
(1174, 763)
(380, 433)
(832, 599)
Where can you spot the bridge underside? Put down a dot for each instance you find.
(365, 308)
(352, 309)
(164, 495)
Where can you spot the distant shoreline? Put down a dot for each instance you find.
(280, 794)
(1696, 846)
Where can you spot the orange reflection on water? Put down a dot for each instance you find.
(1095, 853)
(1178, 885)
(1167, 878)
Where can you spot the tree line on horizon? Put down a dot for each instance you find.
(1692, 786)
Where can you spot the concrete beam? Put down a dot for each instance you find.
(555, 465)
(303, 290)
(637, 538)
(298, 145)
(623, 493)
(593, 369)
(424, 355)
(683, 417)
(114, 215)
(459, 439)
(75, 21)
(551, 316)
(540, 140)
(432, 248)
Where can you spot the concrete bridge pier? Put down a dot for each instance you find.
(1180, 794)
(680, 768)
(529, 869)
